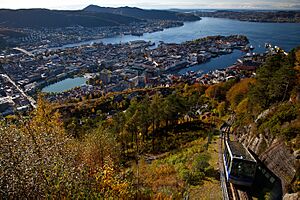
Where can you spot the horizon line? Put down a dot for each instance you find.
(175, 8)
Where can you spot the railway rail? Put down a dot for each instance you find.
(224, 186)
(239, 194)
(229, 191)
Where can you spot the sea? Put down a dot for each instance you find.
(284, 35)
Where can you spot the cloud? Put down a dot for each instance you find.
(227, 4)
(295, 6)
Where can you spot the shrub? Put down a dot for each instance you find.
(39, 160)
(201, 162)
(284, 113)
(194, 178)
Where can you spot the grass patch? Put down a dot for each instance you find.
(189, 170)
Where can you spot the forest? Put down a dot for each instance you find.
(152, 143)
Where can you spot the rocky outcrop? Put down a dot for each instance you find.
(256, 143)
(274, 153)
(281, 162)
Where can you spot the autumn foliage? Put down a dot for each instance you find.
(239, 91)
(39, 160)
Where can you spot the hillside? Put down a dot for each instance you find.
(37, 18)
(143, 14)
(268, 117)
(6, 34)
(154, 143)
(91, 16)
(267, 110)
(255, 16)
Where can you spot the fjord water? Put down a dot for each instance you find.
(284, 35)
(65, 84)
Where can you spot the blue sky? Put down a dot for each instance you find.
(158, 4)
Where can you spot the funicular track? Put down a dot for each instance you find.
(239, 194)
(229, 190)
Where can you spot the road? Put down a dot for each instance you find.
(23, 51)
(29, 98)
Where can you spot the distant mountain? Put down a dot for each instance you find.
(254, 15)
(91, 16)
(143, 14)
(9, 34)
(54, 18)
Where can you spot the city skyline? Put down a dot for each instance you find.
(155, 4)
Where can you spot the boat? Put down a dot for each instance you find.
(268, 45)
